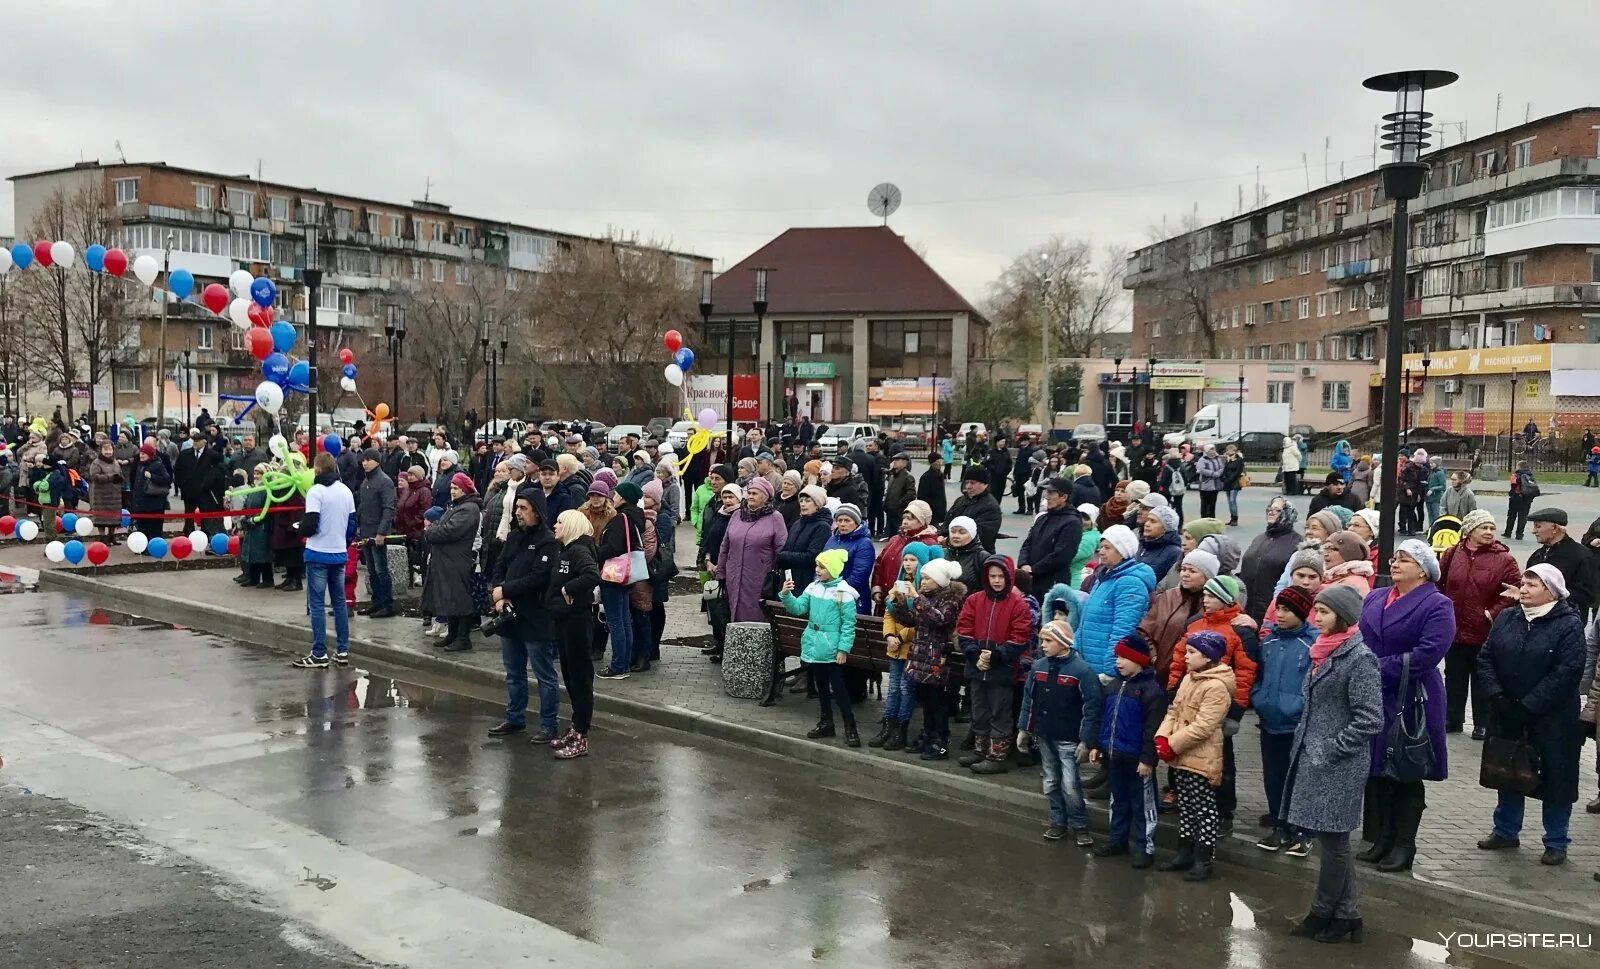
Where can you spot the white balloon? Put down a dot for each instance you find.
(674, 375)
(55, 552)
(240, 281)
(347, 384)
(239, 312)
(146, 269)
(199, 539)
(84, 526)
(27, 529)
(5, 260)
(269, 396)
(137, 542)
(278, 446)
(62, 254)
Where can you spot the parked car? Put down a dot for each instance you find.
(1026, 432)
(500, 428)
(658, 427)
(1435, 440)
(849, 434)
(616, 434)
(1260, 447)
(1088, 434)
(976, 427)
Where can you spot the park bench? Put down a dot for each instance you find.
(868, 652)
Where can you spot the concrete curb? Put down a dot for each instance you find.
(1489, 909)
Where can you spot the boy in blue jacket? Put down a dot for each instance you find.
(1135, 702)
(1593, 481)
(1060, 709)
(1282, 661)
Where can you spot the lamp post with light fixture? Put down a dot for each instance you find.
(313, 277)
(395, 330)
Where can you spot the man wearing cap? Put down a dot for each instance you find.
(1052, 541)
(930, 486)
(1334, 492)
(200, 479)
(901, 488)
(374, 521)
(976, 502)
(1561, 550)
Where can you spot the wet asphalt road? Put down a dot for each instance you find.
(659, 849)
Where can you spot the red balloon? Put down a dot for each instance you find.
(97, 553)
(260, 341)
(347, 355)
(233, 545)
(7, 526)
(180, 547)
(41, 253)
(59, 527)
(215, 297)
(260, 315)
(673, 341)
(116, 262)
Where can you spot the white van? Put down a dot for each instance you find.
(848, 434)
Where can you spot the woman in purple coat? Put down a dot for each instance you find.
(1410, 618)
(750, 550)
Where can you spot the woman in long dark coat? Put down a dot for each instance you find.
(1528, 672)
(105, 492)
(447, 589)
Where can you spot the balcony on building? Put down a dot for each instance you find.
(1567, 216)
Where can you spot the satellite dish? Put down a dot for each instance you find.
(883, 200)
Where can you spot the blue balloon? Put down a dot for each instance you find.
(219, 544)
(684, 358)
(332, 444)
(157, 548)
(349, 370)
(181, 282)
(263, 292)
(22, 255)
(69, 523)
(282, 336)
(275, 368)
(74, 551)
(300, 374)
(127, 519)
(95, 258)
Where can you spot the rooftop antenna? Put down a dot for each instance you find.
(883, 200)
(1305, 164)
(120, 153)
(1527, 113)
(1497, 112)
(427, 188)
(1327, 145)
(1258, 183)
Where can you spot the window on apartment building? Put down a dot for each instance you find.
(438, 270)
(438, 232)
(463, 273)
(311, 212)
(1154, 329)
(1522, 154)
(1283, 351)
(128, 378)
(1327, 254)
(1594, 267)
(344, 218)
(203, 337)
(1266, 312)
(277, 207)
(1516, 272)
(1305, 307)
(1269, 270)
(1477, 395)
(241, 201)
(374, 224)
(236, 338)
(127, 190)
(328, 298)
(1322, 304)
(1334, 346)
(251, 246)
(394, 226)
(913, 341)
(202, 196)
(813, 343)
(513, 281)
(1250, 315)
(1285, 309)
(1233, 316)
(463, 236)
(347, 303)
(205, 382)
(1501, 333)
(1118, 406)
(1250, 275)
(1488, 162)
(1305, 262)
(1280, 392)
(1352, 298)
(1300, 350)
(1336, 395)
(1316, 350)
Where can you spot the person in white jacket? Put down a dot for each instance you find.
(1289, 464)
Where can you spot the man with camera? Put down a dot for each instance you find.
(518, 584)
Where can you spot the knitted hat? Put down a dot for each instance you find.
(1135, 648)
(1136, 491)
(1551, 577)
(1307, 558)
(813, 467)
(794, 478)
(1060, 486)
(1372, 518)
(1057, 631)
(816, 494)
(1224, 588)
(1295, 600)
(923, 553)
(1209, 644)
(964, 523)
(1329, 521)
(147, 449)
(832, 561)
(652, 490)
(1348, 544)
(942, 572)
(1333, 477)
(460, 480)
(759, 484)
(1343, 601)
(732, 488)
(1474, 520)
(601, 487)
(1421, 553)
(1342, 513)
(845, 510)
(980, 475)
(1121, 538)
(607, 475)
(920, 510)
(725, 472)
(631, 493)
(370, 454)
(1167, 517)
(1198, 528)
(1203, 561)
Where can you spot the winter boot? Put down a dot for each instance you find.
(883, 735)
(1183, 860)
(970, 741)
(998, 761)
(919, 743)
(1202, 865)
(974, 755)
(897, 736)
(851, 738)
(1408, 810)
(938, 747)
(824, 728)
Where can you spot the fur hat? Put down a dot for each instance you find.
(1209, 644)
(1295, 600)
(1343, 601)
(978, 474)
(1121, 538)
(942, 572)
(1203, 561)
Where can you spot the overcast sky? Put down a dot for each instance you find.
(714, 126)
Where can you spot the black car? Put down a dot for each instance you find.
(1261, 447)
(1434, 440)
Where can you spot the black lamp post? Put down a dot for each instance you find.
(783, 380)
(1422, 391)
(1406, 135)
(759, 304)
(1405, 401)
(188, 381)
(395, 330)
(505, 342)
(1150, 374)
(313, 275)
(1511, 428)
(488, 363)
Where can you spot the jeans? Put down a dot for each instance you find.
(516, 654)
(1062, 788)
(898, 699)
(380, 585)
(829, 680)
(321, 581)
(1433, 511)
(619, 624)
(1277, 749)
(1133, 804)
(1233, 504)
(1508, 820)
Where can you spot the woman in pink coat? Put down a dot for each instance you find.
(750, 548)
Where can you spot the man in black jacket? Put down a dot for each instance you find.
(1334, 492)
(520, 581)
(1021, 471)
(1559, 549)
(846, 485)
(930, 487)
(199, 477)
(979, 504)
(871, 471)
(374, 521)
(1052, 542)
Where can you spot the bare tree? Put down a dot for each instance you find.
(446, 322)
(72, 320)
(1057, 284)
(1180, 288)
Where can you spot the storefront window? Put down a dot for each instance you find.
(1118, 406)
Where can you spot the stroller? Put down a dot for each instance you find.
(1445, 532)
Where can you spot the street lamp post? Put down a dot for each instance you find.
(1406, 135)
(505, 342)
(313, 275)
(1511, 427)
(161, 360)
(759, 305)
(188, 380)
(1240, 429)
(395, 330)
(706, 278)
(1405, 401)
(1422, 391)
(488, 400)
(783, 380)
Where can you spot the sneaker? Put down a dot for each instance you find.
(1054, 833)
(1297, 848)
(1478, 733)
(436, 629)
(387, 612)
(1272, 842)
(343, 659)
(564, 739)
(311, 663)
(1082, 839)
(579, 747)
(608, 675)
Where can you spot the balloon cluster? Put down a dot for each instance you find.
(682, 357)
(281, 484)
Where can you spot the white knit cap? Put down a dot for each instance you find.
(942, 572)
(1204, 561)
(1089, 510)
(1121, 538)
(965, 524)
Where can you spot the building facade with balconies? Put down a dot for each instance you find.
(1504, 251)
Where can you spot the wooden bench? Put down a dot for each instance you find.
(869, 652)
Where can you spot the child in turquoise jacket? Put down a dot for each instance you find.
(829, 604)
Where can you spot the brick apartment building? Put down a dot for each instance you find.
(1504, 253)
(372, 254)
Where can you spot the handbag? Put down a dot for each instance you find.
(1408, 750)
(1510, 765)
(771, 585)
(1244, 481)
(630, 566)
(662, 567)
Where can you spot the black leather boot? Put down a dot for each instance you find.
(1408, 809)
(882, 736)
(897, 736)
(1203, 855)
(824, 728)
(1183, 860)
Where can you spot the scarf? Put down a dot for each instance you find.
(748, 514)
(1325, 644)
(1358, 567)
(1530, 613)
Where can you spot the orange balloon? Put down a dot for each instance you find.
(381, 411)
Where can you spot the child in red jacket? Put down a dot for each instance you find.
(994, 629)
